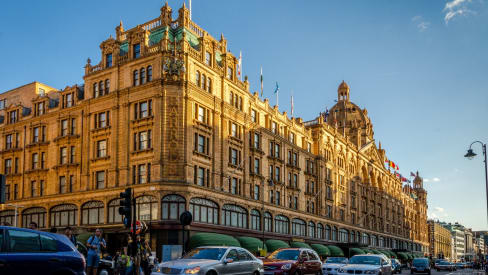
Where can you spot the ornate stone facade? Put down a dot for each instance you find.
(165, 113)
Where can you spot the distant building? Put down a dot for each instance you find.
(440, 245)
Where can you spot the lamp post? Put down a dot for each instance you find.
(470, 155)
(270, 181)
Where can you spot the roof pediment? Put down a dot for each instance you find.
(370, 150)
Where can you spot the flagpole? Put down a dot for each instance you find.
(292, 103)
(190, 8)
(261, 79)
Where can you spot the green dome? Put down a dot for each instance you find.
(272, 245)
(212, 239)
(335, 251)
(251, 244)
(322, 250)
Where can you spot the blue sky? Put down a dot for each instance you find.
(419, 67)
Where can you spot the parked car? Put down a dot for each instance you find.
(332, 264)
(213, 260)
(420, 265)
(292, 261)
(26, 251)
(397, 266)
(445, 265)
(460, 265)
(367, 264)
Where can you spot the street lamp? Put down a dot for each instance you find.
(470, 155)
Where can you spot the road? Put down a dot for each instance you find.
(461, 271)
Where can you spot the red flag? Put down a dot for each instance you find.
(412, 174)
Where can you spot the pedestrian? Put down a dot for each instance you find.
(146, 253)
(94, 245)
(68, 231)
(123, 260)
(33, 225)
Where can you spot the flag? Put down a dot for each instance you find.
(412, 174)
(292, 104)
(261, 81)
(239, 72)
(277, 92)
(326, 115)
(277, 89)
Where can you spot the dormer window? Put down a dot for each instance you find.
(101, 88)
(108, 60)
(2, 104)
(13, 116)
(42, 92)
(40, 108)
(68, 100)
(230, 73)
(136, 50)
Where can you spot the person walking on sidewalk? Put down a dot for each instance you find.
(94, 245)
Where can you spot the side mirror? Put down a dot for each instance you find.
(228, 261)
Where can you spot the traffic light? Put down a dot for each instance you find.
(125, 208)
(3, 189)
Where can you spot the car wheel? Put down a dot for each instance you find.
(319, 272)
(297, 272)
(211, 272)
(256, 273)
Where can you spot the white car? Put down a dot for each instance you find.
(367, 264)
(332, 264)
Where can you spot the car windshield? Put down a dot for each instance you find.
(336, 260)
(444, 263)
(285, 255)
(206, 253)
(369, 260)
(420, 262)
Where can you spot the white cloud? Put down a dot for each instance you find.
(437, 213)
(439, 209)
(421, 24)
(434, 179)
(456, 8)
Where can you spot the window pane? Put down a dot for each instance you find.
(21, 241)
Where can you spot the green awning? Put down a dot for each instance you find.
(410, 256)
(252, 244)
(376, 251)
(299, 245)
(335, 251)
(367, 250)
(385, 253)
(356, 251)
(402, 256)
(393, 254)
(207, 239)
(322, 250)
(272, 245)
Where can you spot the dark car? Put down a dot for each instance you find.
(292, 261)
(396, 265)
(444, 265)
(420, 265)
(26, 251)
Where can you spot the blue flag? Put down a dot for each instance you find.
(277, 89)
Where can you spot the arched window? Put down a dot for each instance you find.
(209, 85)
(204, 211)
(299, 227)
(282, 224)
(113, 211)
(255, 220)
(92, 212)
(34, 214)
(197, 78)
(107, 86)
(334, 233)
(143, 76)
(328, 233)
(7, 217)
(268, 220)
(320, 231)
(135, 77)
(365, 239)
(381, 242)
(146, 208)
(311, 229)
(204, 81)
(343, 235)
(233, 215)
(358, 237)
(172, 207)
(64, 215)
(352, 237)
(149, 73)
(101, 88)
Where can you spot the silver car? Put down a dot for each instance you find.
(367, 264)
(332, 264)
(213, 260)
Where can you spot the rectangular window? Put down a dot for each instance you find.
(234, 156)
(72, 155)
(230, 73)
(278, 198)
(73, 126)
(64, 127)
(292, 138)
(202, 114)
(329, 211)
(8, 166)
(254, 116)
(208, 58)
(12, 116)
(43, 160)
(41, 188)
(295, 202)
(35, 161)
(136, 50)
(233, 187)
(295, 180)
(271, 199)
(9, 141)
(277, 150)
(256, 192)
(257, 166)
(101, 148)
(108, 60)
(141, 174)
(16, 165)
(274, 127)
(201, 144)
(63, 155)
(62, 184)
(71, 183)
(68, 100)
(2, 104)
(143, 109)
(16, 191)
(33, 188)
(271, 172)
(101, 120)
(257, 141)
(100, 179)
(143, 140)
(233, 129)
(35, 135)
(278, 174)
(201, 176)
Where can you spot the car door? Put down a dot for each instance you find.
(246, 265)
(231, 263)
(386, 267)
(4, 267)
(314, 265)
(23, 252)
